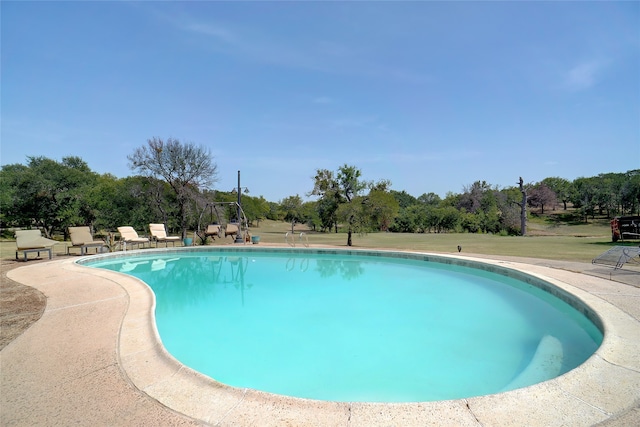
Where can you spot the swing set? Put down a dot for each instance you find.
(220, 226)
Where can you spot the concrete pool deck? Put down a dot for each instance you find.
(94, 358)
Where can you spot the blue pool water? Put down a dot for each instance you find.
(357, 328)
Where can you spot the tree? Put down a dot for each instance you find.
(430, 199)
(187, 168)
(523, 208)
(275, 212)
(483, 201)
(352, 214)
(561, 187)
(448, 218)
(451, 199)
(48, 194)
(349, 183)
(310, 215)
(255, 208)
(124, 201)
(608, 192)
(106, 196)
(350, 186)
(584, 197)
(10, 197)
(404, 199)
(471, 198)
(341, 200)
(630, 193)
(510, 212)
(292, 207)
(382, 207)
(326, 187)
(405, 221)
(469, 222)
(541, 195)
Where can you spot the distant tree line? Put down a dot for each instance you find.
(174, 186)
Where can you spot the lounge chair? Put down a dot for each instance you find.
(32, 241)
(159, 234)
(213, 230)
(231, 230)
(81, 238)
(130, 236)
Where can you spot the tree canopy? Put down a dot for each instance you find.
(48, 194)
(53, 195)
(187, 169)
(342, 200)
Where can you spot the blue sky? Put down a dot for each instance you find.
(429, 95)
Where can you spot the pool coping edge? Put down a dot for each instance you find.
(200, 397)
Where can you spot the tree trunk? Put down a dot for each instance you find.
(182, 209)
(523, 209)
(349, 242)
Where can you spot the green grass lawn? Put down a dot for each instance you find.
(559, 247)
(548, 239)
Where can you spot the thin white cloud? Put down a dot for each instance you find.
(584, 75)
(251, 44)
(211, 30)
(317, 55)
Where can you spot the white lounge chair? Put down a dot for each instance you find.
(159, 234)
(130, 236)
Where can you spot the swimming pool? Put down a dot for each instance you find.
(267, 323)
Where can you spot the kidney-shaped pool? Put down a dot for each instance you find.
(368, 326)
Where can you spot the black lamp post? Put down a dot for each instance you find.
(239, 237)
